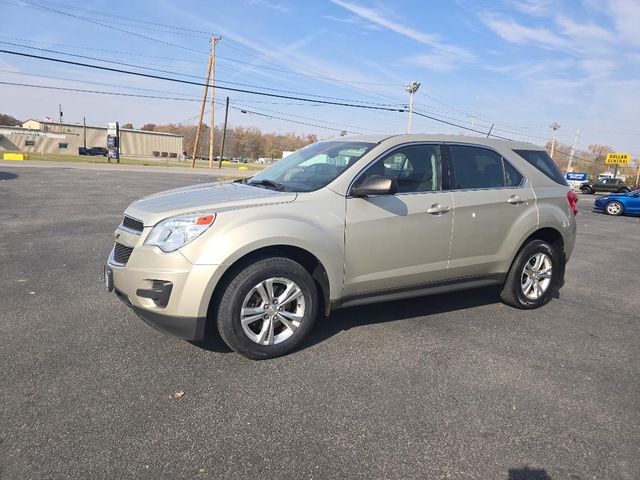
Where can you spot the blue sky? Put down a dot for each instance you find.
(519, 63)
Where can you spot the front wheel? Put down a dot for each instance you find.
(268, 308)
(533, 276)
(586, 190)
(614, 208)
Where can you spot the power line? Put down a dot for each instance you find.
(83, 90)
(457, 125)
(144, 67)
(89, 82)
(344, 104)
(204, 33)
(312, 119)
(157, 97)
(146, 37)
(188, 82)
(84, 47)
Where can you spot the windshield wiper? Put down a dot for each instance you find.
(269, 184)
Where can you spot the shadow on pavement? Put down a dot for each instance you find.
(527, 473)
(352, 317)
(8, 175)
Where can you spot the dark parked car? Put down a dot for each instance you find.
(619, 203)
(93, 151)
(614, 185)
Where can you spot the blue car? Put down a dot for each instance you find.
(619, 203)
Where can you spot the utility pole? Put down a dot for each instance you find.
(60, 114)
(212, 128)
(554, 126)
(411, 88)
(573, 150)
(196, 143)
(638, 175)
(224, 132)
(84, 131)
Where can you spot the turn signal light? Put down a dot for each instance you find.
(205, 220)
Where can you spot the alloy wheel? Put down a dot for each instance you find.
(272, 311)
(536, 276)
(614, 208)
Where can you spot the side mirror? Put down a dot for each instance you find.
(375, 185)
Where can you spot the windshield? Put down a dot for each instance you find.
(311, 168)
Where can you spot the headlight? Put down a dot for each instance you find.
(174, 232)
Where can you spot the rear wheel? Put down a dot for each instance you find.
(268, 308)
(614, 208)
(533, 277)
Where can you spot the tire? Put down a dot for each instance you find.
(586, 190)
(282, 327)
(614, 208)
(515, 291)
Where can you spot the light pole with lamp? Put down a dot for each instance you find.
(411, 88)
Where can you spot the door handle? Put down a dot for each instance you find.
(515, 200)
(437, 209)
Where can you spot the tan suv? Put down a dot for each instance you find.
(345, 222)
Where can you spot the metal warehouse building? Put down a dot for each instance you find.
(50, 137)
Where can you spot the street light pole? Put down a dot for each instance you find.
(411, 88)
(573, 150)
(554, 126)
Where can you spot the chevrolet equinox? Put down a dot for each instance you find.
(344, 222)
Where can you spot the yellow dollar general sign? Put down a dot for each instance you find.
(618, 158)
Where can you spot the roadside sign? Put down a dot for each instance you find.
(577, 176)
(113, 141)
(618, 159)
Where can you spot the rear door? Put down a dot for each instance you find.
(489, 196)
(399, 241)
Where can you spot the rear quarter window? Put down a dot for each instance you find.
(543, 162)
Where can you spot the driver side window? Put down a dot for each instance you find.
(416, 168)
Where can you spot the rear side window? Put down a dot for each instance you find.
(542, 161)
(477, 167)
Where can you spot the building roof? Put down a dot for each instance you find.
(100, 127)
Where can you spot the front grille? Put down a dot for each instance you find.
(132, 223)
(121, 253)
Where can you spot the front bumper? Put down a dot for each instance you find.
(187, 328)
(165, 289)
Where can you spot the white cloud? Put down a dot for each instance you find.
(535, 8)
(353, 20)
(377, 18)
(273, 6)
(436, 62)
(626, 17)
(583, 31)
(514, 32)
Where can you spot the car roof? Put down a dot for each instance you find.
(398, 139)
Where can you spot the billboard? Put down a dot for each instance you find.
(577, 176)
(618, 158)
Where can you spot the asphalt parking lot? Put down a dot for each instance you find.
(455, 386)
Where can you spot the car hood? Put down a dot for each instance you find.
(210, 197)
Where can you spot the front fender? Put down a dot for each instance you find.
(307, 223)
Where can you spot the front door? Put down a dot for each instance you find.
(402, 240)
